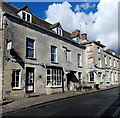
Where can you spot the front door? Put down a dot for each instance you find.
(29, 79)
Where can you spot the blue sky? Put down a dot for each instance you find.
(39, 8)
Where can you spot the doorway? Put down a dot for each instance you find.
(29, 79)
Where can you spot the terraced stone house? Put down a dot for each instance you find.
(37, 57)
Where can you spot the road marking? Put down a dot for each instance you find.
(102, 111)
(116, 113)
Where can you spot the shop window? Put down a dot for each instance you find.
(54, 78)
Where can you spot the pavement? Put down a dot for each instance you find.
(23, 103)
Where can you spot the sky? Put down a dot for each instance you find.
(98, 19)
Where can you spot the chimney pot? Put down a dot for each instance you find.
(84, 36)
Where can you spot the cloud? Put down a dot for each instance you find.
(101, 25)
(84, 6)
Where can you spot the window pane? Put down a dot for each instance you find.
(24, 15)
(48, 71)
(30, 52)
(30, 43)
(28, 17)
(54, 78)
(52, 57)
(17, 73)
(15, 78)
(53, 53)
(13, 84)
(14, 73)
(91, 76)
(53, 49)
(30, 48)
(17, 84)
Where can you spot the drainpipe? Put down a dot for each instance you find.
(2, 54)
(4, 35)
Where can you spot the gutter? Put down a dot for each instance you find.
(111, 54)
(79, 45)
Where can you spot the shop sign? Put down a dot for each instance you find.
(92, 67)
(9, 46)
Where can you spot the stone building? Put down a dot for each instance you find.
(37, 57)
(101, 64)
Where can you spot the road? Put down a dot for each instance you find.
(100, 104)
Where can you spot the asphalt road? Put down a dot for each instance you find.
(100, 104)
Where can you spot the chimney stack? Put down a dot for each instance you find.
(76, 32)
(84, 36)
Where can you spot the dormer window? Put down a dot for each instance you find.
(25, 16)
(59, 31)
(57, 28)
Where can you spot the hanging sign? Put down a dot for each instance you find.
(9, 46)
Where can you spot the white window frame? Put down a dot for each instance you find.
(117, 64)
(116, 77)
(107, 77)
(93, 77)
(100, 76)
(68, 56)
(65, 53)
(99, 62)
(79, 59)
(57, 75)
(98, 48)
(30, 48)
(105, 59)
(110, 61)
(26, 13)
(114, 63)
(19, 87)
(59, 31)
(56, 58)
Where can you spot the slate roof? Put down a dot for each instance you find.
(55, 25)
(93, 41)
(13, 10)
(74, 35)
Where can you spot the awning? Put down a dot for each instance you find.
(92, 71)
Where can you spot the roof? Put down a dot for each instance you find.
(26, 8)
(55, 25)
(36, 20)
(93, 41)
(110, 53)
(9, 8)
